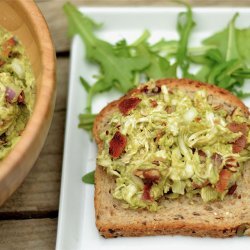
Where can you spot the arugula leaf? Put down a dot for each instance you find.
(89, 178)
(185, 24)
(166, 48)
(242, 73)
(242, 94)
(233, 43)
(98, 87)
(85, 84)
(117, 70)
(243, 42)
(86, 121)
(159, 67)
(232, 50)
(202, 74)
(143, 38)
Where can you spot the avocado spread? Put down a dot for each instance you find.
(16, 91)
(165, 143)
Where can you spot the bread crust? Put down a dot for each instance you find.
(184, 218)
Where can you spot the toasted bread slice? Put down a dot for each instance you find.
(182, 216)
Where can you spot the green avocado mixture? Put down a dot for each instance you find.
(174, 145)
(16, 91)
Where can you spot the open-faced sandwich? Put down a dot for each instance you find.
(172, 159)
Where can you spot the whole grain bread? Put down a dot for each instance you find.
(182, 216)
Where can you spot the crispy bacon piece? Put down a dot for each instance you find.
(21, 98)
(151, 175)
(146, 191)
(159, 136)
(156, 90)
(117, 144)
(232, 189)
(144, 89)
(195, 185)
(237, 127)
(241, 142)
(148, 175)
(197, 119)
(1, 63)
(153, 103)
(151, 92)
(129, 104)
(7, 46)
(224, 180)
(232, 163)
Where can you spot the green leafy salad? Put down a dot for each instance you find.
(223, 58)
(172, 144)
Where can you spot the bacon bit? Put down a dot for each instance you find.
(139, 173)
(232, 189)
(170, 91)
(21, 98)
(146, 191)
(145, 89)
(241, 142)
(232, 167)
(216, 160)
(155, 162)
(151, 175)
(153, 103)
(170, 109)
(231, 162)
(128, 104)
(8, 46)
(195, 185)
(1, 63)
(2, 138)
(223, 181)
(197, 119)
(159, 136)
(202, 156)
(117, 144)
(237, 127)
(148, 175)
(14, 54)
(155, 90)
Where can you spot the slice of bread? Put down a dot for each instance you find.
(182, 216)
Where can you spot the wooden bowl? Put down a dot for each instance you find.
(24, 19)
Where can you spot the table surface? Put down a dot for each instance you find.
(28, 220)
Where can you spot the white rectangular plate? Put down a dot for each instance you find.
(76, 227)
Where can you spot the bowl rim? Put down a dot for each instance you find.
(45, 101)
